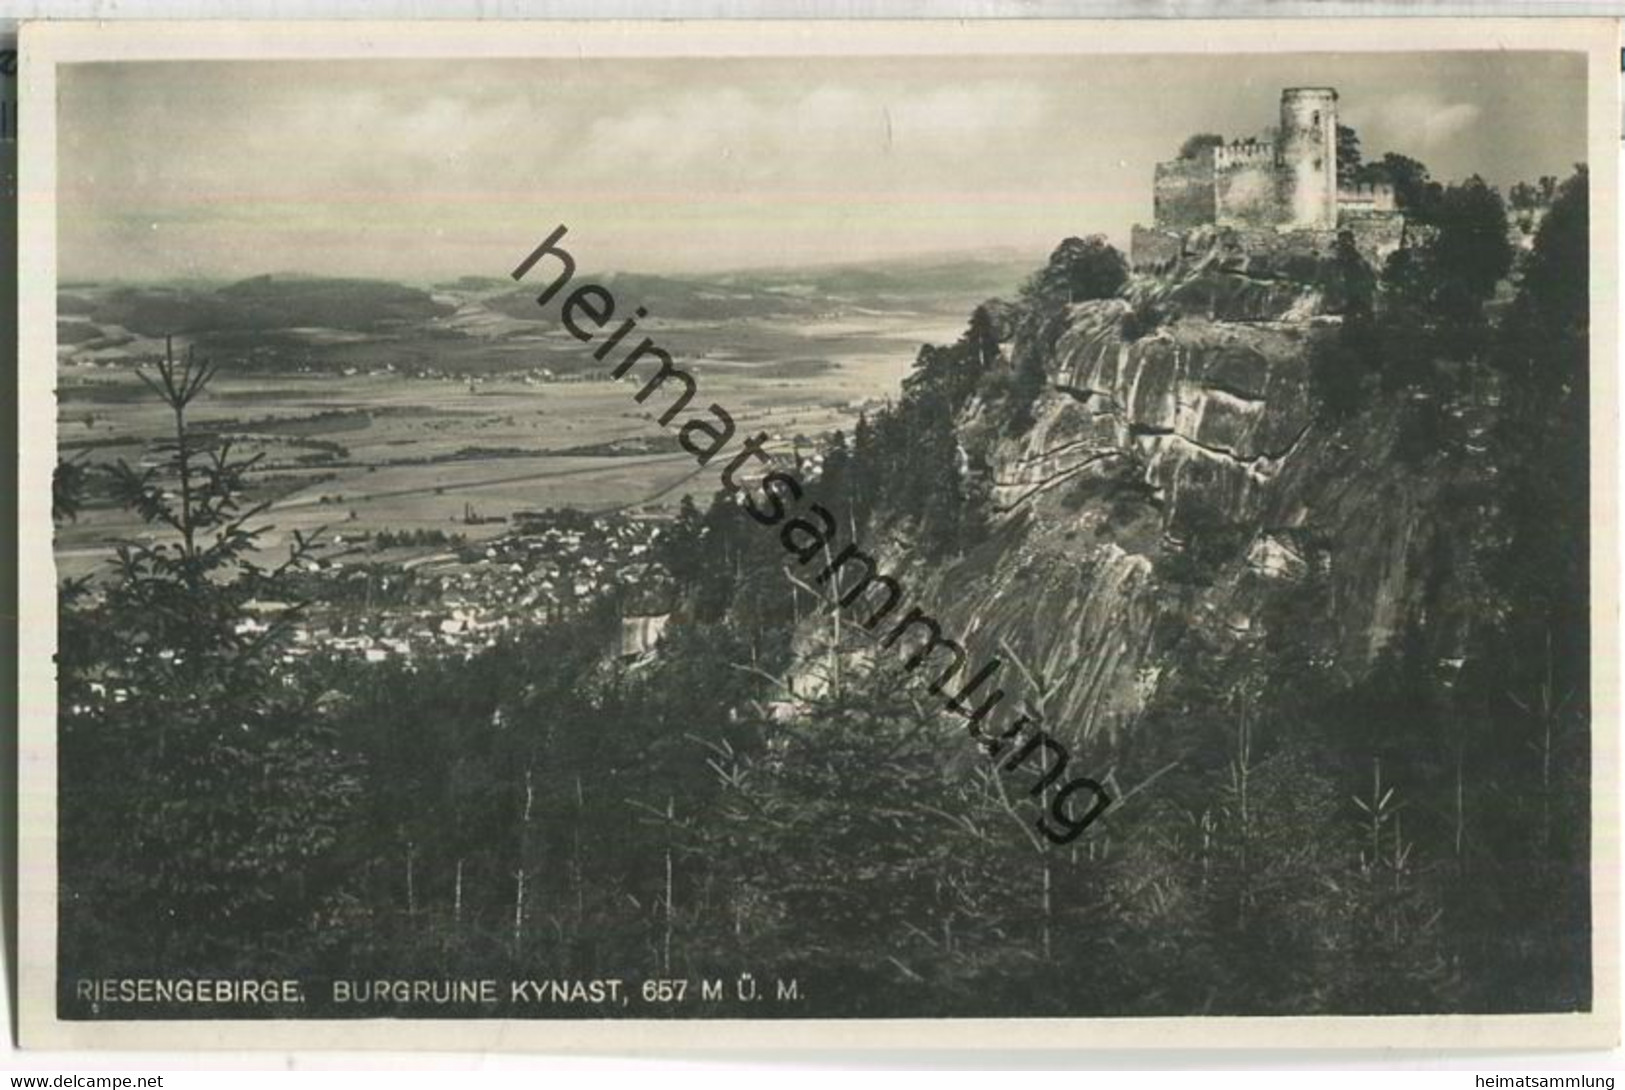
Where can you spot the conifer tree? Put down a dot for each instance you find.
(202, 794)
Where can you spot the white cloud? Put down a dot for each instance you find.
(828, 132)
(975, 112)
(1423, 122)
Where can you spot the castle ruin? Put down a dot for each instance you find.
(1276, 195)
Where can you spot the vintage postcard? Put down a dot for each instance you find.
(759, 534)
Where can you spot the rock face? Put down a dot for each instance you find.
(1206, 420)
(1214, 408)
(640, 633)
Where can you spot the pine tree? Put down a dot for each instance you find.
(201, 794)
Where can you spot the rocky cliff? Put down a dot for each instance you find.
(1181, 480)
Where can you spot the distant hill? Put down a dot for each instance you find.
(675, 297)
(474, 283)
(793, 292)
(969, 278)
(262, 304)
(485, 325)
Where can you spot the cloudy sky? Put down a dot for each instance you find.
(418, 170)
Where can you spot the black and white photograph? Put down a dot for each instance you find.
(715, 526)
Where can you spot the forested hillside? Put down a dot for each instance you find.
(1294, 559)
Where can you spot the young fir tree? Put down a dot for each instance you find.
(202, 793)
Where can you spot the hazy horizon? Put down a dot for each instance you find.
(991, 256)
(416, 171)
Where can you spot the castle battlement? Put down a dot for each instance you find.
(1366, 197)
(1243, 153)
(1366, 189)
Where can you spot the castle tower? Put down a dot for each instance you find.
(1308, 155)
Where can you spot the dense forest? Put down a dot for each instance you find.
(1301, 838)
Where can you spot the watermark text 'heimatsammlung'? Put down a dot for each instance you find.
(708, 431)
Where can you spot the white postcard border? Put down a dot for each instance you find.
(48, 45)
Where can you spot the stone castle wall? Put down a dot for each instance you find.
(1182, 192)
(1234, 184)
(1378, 197)
(1265, 248)
(1158, 250)
(1248, 192)
(1242, 248)
(1155, 249)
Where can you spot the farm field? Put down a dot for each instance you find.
(359, 451)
